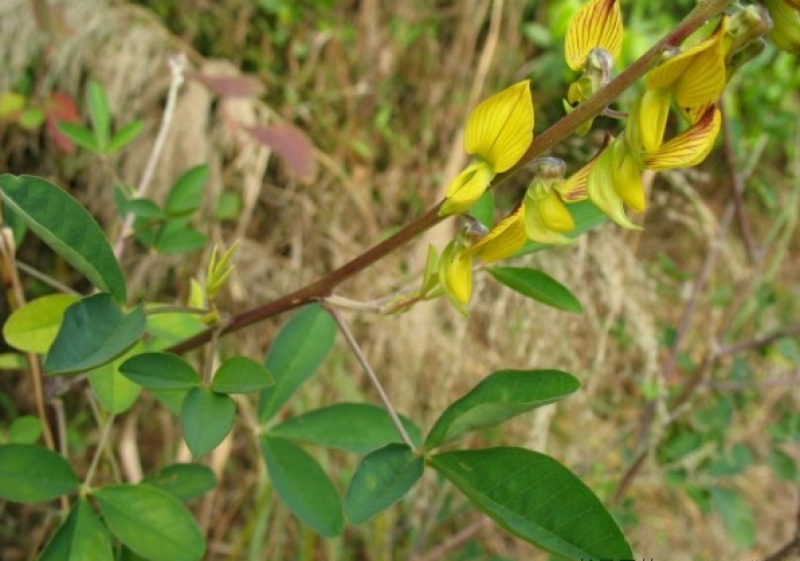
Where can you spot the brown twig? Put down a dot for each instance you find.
(753, 344)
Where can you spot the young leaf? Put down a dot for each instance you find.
(499, 397)
(295, 354)
(186, 194)
(382, 478)
(115, 392)
(538, 286)
(303, 486)
(32, 474)
(737, 517)
(240, 374)
(81, 536)
(99, 113)
(151, 522)
(207, 418)
(162, 371)
(123, 137)
(184, 481)
(536, 498)
(68, 228)
(80, 135)
(93, 333)
(333, 427)
(33, 327)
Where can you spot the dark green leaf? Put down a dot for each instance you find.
(499, 397)
(538, 286)
(184, 481)
(736, 516)
(80, 135)
(296, 353)
(240, 374)
(33, 327)
(81, 537)
(382, 478)
(536, 498)
(207, 418)
(303, 486)
(32, 474)
(151, 522)
(68, 228)
(186, 194)
(93, 333)
(144, 208)
(124, 136)
(352, 427)
(162, 371)
(99, 113)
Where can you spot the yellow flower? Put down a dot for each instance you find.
(615, 180)
(598, 25)
(504, 240)
(690, 147)
(546, 217)
(498, 133)
(455, 274)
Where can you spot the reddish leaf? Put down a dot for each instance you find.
(61, 108)
(291, 144)
(229, 86)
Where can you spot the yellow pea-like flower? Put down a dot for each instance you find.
(504, 240)
(690, 147)
(597, 25)
(603, 185)
(455, 274)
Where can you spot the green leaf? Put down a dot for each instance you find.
(184, 481)
(186, 194)
(179, 240)
(736, 516)
(99, 113)
(94, 332)
(143, 208)
(124, 136)
(240, 374)
(352, 427)
(31, 119)
(382, 478)
(33, 327)
(151, 522)
(80, 135)
(162, 371)
(166, 329)
(303, 486)
(82, 536)
(13, 361)
(783, 465)
(207, 418)
(538, 286)
(68, 228)
(499, 397)
(115, 392)
(25, 430)
(32, 474)
(483, 210)
(537, 499)
(296, 353)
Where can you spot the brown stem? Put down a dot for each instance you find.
(549, 138)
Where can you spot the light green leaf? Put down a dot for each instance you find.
(184, 481)
(207, 418)
(161, 371)
(33, 327)
(113, 390)
(499, 397)
(81, 537)
(352, 427)
(68, 228)
(25, 430)
(80, 135)
(166, 329)
(93, 333)
(151, 522)
(296, 353)
(382, 478)
(240, 374)
(737, 517)
(186, 194)
(32, 118)
(179, 240)
(302, 484)
(13, 361)
(33, 474)
(124, 136)
(537, 499)
(538, 286)
(99, 113)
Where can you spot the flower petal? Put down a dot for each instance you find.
(541, 212)
(653, 113)
(598, 24)
(690, 147)
(627, 178)
(455, 274)
(602, 192)
(504, 240)
(500, 128)
(467, 188)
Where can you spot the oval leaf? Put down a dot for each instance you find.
(302, 484)
(382, 478)
(207, 418)
(184, 481)
(240, 374)
(115, 392)
(536, 498)
(161, 371)
(186, 194)
(32, 474)
(538, 286)
(499, 397)
(352, 427)
(68, 228)
(33, 327)
(295, 354)
(25, 430)
(94, 332)
(737, 517)
(81, 536)
(151, 522)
